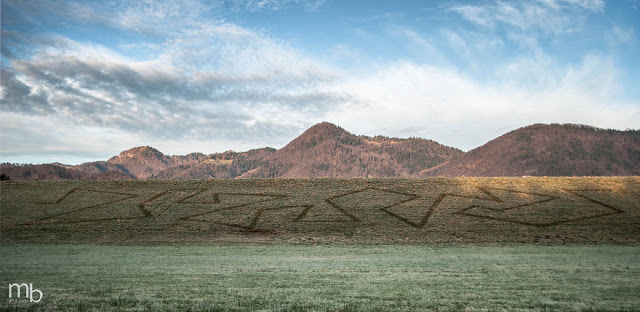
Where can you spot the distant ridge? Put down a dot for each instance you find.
(326, 150)
(550, 150)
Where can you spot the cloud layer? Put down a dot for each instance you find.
(209, 81)
(187, 80)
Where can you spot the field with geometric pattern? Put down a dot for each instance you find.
(469, 210)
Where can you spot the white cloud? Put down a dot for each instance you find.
(620, 35)
(208, 85)
(225, 84)
(457, 42)
(476, 14)
(418, 44)
(546, 17)
(204, 81)
(276, 5)
(407, 99)
(591, 5)
(24, 134)
(37, 139)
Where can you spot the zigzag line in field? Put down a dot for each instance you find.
(254, 219)
(61, 199)
(614, 210)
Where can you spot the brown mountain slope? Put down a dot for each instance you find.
(550, 150)
(102, 169)
(47, 172)
(146, 163)
(326, 150)
(140, 162)
(229, 164)
(56, 171)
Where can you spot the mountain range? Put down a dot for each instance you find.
(326, 150)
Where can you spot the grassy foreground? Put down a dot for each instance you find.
(283, 277)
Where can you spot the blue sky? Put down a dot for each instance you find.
(85, 80)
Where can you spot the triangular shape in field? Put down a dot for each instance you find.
(237, 199)
(243, 217)
(249, 216)
(210, 196)
(505, 199)
(325, 212)
(413, 212)
(80, 205)
(370, 199)
(278, 217)
(233, 209)
(576, 206)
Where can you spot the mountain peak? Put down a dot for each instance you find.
(141, 151)
(140, 162)
(316, 134)
(324, 129)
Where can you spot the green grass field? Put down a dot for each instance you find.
(284, 277)
(481, 244)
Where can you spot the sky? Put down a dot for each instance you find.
(84, 80)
